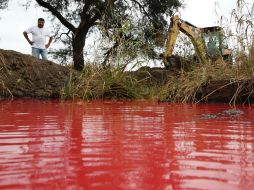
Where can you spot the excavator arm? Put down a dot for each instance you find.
(194, 33)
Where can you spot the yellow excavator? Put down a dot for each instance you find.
(209, 42)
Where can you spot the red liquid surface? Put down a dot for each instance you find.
(129, 145)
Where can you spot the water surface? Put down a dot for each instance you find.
(129, 145)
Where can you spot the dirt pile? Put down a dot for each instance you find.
(25, 76)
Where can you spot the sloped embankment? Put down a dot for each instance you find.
(213, 83)
(25, 76)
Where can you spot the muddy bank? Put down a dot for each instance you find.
(25, 76)
(228, 91)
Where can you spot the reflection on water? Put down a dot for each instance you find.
(125, 145)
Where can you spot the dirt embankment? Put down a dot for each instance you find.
(25, 76)
(224, 84)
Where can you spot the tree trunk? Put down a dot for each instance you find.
(78, 44)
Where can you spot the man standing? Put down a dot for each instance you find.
(38, 43)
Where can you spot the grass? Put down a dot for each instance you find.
(189, 86)
(3, 70)
(96, 82)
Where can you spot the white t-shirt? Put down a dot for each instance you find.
(39, 36)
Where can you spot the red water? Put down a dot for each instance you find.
(125, 145)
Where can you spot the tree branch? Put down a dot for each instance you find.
(142, 9)
(57, 14)
(64, 33)
(108, 53)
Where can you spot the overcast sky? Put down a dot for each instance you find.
(16, 19)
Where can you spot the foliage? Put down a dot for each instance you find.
(243, 33)
(81, 17)
(3, 4)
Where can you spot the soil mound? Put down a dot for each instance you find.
(25, 76)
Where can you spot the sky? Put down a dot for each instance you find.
(15, 19)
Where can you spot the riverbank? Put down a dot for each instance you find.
(25, 76)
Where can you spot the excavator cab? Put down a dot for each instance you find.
(215, 42)
(209, 42)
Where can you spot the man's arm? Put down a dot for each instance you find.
(27, 38)
(50, 40)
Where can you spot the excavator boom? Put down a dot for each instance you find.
(196, 35)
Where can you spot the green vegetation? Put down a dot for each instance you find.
(204, 81)
(82, 18)
(96, 82)
(195, 85)
(194, 82)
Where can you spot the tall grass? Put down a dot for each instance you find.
(243, 31)
(96, 82)
(189, 85)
